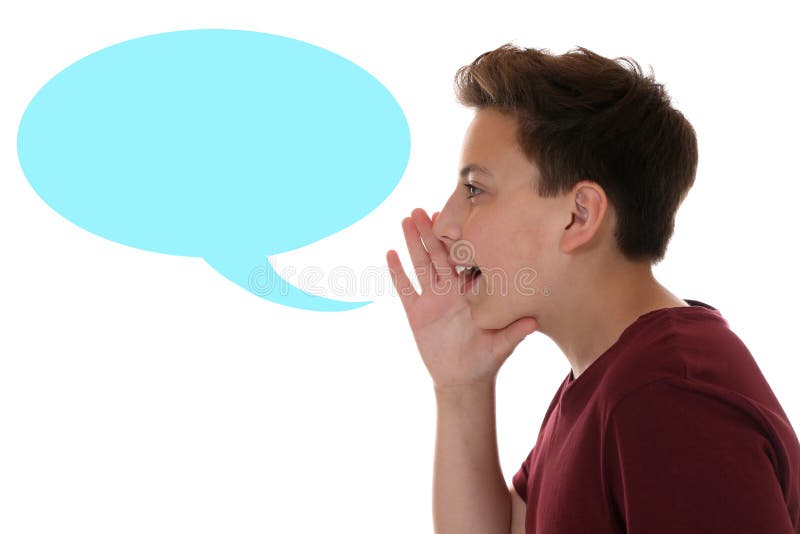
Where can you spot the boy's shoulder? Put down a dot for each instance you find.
(692, 348)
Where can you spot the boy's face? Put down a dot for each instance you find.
(509, 231)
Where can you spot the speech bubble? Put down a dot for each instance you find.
(227, 145)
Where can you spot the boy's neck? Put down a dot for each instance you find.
(601, 309)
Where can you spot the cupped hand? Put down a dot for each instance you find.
(454, 349)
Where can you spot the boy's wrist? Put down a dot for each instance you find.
(448, 390)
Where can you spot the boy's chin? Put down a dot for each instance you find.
(487, 320)
(492, 321)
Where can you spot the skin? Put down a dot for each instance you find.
(563, 272)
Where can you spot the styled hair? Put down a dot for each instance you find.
(582, 116)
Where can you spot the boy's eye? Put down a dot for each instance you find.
(470, 188)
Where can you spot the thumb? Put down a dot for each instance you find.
(513, 334)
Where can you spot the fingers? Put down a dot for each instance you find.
(419, 256)
(511, 336)
(437, 253)
(427, 252)
(408, 295)
(433, 217)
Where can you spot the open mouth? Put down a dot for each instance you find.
(471, 272)
(467, 275)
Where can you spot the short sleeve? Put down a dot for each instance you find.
(681, 460)
(520, 479)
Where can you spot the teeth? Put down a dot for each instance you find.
(460, 268)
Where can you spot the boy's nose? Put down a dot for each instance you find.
(443, 229)
(437, 228)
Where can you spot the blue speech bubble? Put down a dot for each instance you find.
(222, 144)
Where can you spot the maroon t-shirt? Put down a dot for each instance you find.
(673, 429)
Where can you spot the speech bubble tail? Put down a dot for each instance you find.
(259, 278)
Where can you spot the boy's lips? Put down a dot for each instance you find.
(467, 263)
(461, 257)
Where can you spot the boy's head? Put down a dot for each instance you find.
(589, 163)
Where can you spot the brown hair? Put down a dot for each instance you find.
(582, 116)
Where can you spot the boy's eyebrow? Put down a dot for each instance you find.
(474, 167)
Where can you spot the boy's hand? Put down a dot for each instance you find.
(455, 351)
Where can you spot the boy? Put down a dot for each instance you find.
(572, 172)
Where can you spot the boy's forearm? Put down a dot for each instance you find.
(469, 491)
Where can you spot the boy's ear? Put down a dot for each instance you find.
(588, 205)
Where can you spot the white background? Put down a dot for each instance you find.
(142, 392)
